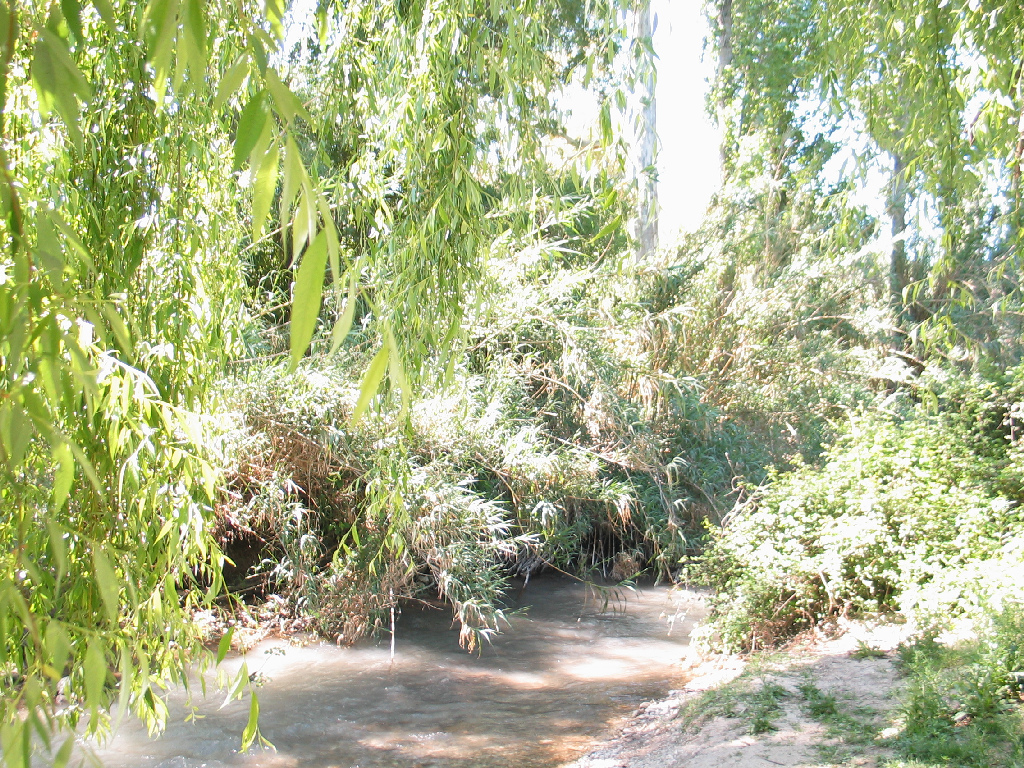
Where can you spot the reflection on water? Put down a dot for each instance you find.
(546, 687)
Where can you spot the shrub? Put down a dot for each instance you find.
(898, 505)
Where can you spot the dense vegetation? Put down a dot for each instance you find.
(329, 312)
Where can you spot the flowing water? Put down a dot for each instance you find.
(567, 669)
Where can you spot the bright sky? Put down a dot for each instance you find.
(688, 171)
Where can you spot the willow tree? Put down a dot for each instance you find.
(126, 132)
(933, 92)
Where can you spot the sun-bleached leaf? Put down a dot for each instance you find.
(344, 324)
(251, 727)
(95, 668)
(274, 11)
(107, 581)
(288, 104)
(231, 82)
(63, 475)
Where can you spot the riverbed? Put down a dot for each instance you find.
(572, 664)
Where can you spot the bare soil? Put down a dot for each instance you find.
(854, 666)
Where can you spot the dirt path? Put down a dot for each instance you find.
(824, 702)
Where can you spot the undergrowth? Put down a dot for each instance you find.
(752, 697)
(912, 509)
(962, 704)
(557, 440)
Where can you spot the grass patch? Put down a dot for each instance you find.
(962, 705)
(865, 651)
(766, 704)
(749, 697)
(820, 706)
(850, 729)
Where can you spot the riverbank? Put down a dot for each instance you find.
(826, 700)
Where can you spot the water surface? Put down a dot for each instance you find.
(566, 670)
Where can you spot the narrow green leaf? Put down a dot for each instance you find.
(294, 172)
(106, 12)
(68, 73)
(57, 547)
(76, 243)
(58, 646)
(607, 136)
(333, 246)
(344, 323)
(95, 668)
(107, 582)
(371, 381)
(163, 33)
(309, 284)
(258, 49)
(302, 226)
(288, 104)
(250, 126)
(15, 742)
(249, 734)
(49, 252)
(612, 226)
(72, 10)
(195, 29)
(60, 760)
(64, 474)
(225, 644)
(230, 82)
(31, 696)
(44, 77)
(239, 682)
(17, 432)
(153, 10)
(126, 662)
(117, 325)
(397, 373)
(263, 192)
(275, 15)
(87, 468)
(259, 150)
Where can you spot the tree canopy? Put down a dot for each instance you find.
(160, 162)
(926, 94)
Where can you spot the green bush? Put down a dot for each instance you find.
(898, 505)
(347, 519)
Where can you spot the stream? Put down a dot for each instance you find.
(571, 666)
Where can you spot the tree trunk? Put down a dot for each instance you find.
(724, 62)
(646, 148)
(898, 277)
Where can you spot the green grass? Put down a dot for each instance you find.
(766, 705)
(818, 705)
(850, 729)
(962, 704)
(750, 697)
(865, 651)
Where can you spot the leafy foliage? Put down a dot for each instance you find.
(961, 705)
(922, 99)
(898, 506)
(550, 446)
(123, 131)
